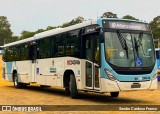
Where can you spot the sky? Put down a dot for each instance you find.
(31, 15)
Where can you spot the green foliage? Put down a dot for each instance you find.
(27, 34)
(5, 31)
(129, 17)
(109, 15)
(155, 26)
(73, 22)
(50, 28)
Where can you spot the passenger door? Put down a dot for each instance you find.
(91, 52)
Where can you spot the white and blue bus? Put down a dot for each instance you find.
(158, 62)
(102, 55)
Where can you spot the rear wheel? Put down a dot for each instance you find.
(114, 94)
(73, 87)
(67, 87)
(15, 81)
(67, 90)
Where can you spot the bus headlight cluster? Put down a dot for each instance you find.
(110, 75)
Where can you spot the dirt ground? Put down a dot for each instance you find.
(35, 95)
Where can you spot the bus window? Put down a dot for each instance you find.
(59, 49)
(72, 43)
(157, 54)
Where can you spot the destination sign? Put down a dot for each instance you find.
(126, 25)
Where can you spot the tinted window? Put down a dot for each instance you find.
(16, 51)
(59, 48)
(44, 48)
(24, 48)
(73, 43)
(157, 54)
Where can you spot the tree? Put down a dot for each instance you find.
(129, 17)
(27, 34)
(5, 31)
(109, 15)
(155, 26)
(39, 31)
(50, 28)
(77, 20)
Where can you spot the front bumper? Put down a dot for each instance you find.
(115, 86)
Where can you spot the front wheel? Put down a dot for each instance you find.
(73, 87)
(114, 94)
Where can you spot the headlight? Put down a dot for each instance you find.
(110, 75)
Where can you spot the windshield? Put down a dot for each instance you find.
(129, 49)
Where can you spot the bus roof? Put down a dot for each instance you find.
(120, 19)
(61, 30)
(19, 42)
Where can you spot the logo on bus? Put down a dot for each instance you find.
(73, 62)
(53, 69)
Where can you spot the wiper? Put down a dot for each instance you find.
(138, 42)
(137, 45)
(123, 42)
(140, 36)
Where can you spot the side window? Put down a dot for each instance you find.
(10, 54)
(73, 43)
(52, 46)
(43, 48)
(157, 54)
(24, 51)
(97, 51)
(89, 47)
(59, 48)
(5, 54)
(16, 55)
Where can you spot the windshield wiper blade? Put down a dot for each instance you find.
(136, 46)
(140, 36)
(122, 41)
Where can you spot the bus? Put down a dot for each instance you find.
(104, 55)
(158, 62)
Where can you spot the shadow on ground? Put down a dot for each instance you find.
(94, 97)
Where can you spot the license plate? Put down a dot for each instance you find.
(135, 85)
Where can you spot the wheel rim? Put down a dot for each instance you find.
(15, 81)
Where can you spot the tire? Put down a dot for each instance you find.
(67, 91)
(73, 87)
(15, 81)
(114, 94)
